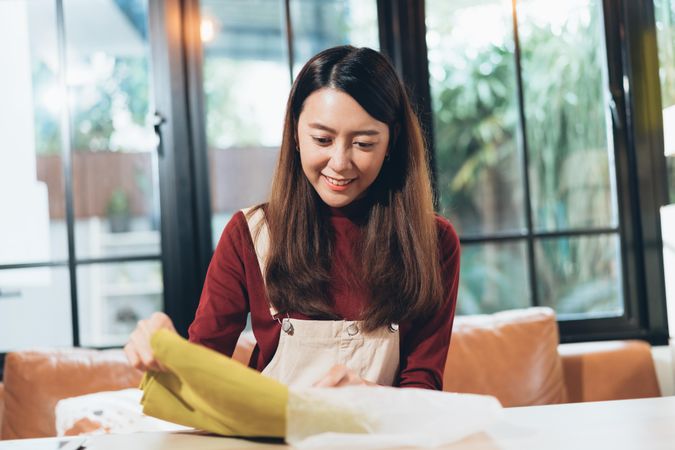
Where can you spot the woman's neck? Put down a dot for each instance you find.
(357, 209)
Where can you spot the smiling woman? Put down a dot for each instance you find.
(348, 274)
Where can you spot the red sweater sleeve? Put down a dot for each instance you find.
(424, 347)
(223, 305)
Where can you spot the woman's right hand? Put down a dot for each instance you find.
(138, 349)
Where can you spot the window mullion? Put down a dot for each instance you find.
(522, 133)
(66, 154)
(288, 28)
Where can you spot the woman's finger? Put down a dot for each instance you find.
(144, 328)
(159, 320)
(138, 350)
(334, 377)
(132, 356)
(142, 346)
(350, 379)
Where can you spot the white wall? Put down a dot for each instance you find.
(38, 311)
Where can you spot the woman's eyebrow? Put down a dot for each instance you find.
(354, 133)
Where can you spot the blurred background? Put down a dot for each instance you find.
(132, 130)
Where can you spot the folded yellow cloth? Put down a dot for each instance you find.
(209, 391)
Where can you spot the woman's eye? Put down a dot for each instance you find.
(364, 144)
(322, 140)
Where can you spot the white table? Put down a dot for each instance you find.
(646, 424)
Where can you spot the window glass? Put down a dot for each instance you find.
(571, 163)
(580, 275)
(475, 114)
(478, 126)
(665, 34)
(113, 297)
(246, 83)
(35, 307)
(321, 24)
(114, 161)
(493, 277)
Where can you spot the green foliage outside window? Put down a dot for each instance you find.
(93, 105)
(476, 123)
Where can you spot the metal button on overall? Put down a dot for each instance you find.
(287, 326)
(352, 329)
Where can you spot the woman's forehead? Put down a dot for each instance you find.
(334, 110)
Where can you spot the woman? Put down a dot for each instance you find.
(349, 276)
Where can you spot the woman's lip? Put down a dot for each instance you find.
(334, 187)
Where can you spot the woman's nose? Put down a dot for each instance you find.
(340, 159)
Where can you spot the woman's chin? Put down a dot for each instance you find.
(336, 200)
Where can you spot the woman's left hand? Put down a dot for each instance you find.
(341, 375)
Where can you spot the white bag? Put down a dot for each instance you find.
(379, 417)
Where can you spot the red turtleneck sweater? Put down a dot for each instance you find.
(234, 287)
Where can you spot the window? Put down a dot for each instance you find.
(250, 51)
(533, 114)
(80, 258)
(529, 181)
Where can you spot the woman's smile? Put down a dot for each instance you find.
(337, 184)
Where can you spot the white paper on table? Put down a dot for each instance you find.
(111, 411)
(380, 417)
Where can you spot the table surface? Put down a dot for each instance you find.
(643, 424)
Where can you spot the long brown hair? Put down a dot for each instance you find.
(399, 244)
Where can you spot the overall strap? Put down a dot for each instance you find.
(260, 235)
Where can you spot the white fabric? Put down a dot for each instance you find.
(367, 417)
(113, 412)
(307, 352)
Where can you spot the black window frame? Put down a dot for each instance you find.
(638, 144)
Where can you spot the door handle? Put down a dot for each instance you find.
(157, 121)
(614, 110)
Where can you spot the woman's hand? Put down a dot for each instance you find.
(138, 350)
(341, 375)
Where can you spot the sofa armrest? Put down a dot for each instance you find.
(609, 370)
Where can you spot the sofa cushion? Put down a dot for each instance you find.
(512, 355)
(610, 370)
(36, 379)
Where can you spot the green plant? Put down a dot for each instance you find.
(118, 203)
(479, 162)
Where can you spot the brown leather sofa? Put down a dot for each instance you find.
(513, 355)
(516, 356)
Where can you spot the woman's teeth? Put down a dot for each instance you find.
(335, 182)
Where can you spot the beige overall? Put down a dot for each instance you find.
(309, 348)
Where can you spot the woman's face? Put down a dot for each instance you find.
(342, 147)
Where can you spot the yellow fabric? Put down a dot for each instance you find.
(209, 391)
